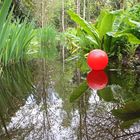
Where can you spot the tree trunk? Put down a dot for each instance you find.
(63, 29)
(63, 15)
(122, 4)
(84, 9)
(78, 7)
(88, 10)
(42, 13)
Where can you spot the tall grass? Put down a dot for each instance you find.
(15, 37)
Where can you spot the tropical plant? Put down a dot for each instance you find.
(14, 37)
(134, 12)
(106, 31)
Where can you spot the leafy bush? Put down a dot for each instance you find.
(109, 28)
(134, 12)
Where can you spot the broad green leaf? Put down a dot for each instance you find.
(105, 23)
(131, 38)
(4, 12)
(107, 44)
(92, 40)
(137, 24)
(85, 25)
(78, 91)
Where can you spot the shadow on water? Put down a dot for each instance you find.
(39, 101)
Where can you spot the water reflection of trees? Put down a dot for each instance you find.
(97, 122)
(101, 123)
(48, 115)
(15, 86)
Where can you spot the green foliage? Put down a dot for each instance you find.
(105, 22)
(129, 114)
(106, 94)
(78, 46)
(98, 33)
(87, 27)
(4, 11)
(48, 39)
(124, 95)
(128, 29)
(14, 37)
(78, 91)
(109, 28)
(134, 12)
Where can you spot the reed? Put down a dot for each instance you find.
(15, 37)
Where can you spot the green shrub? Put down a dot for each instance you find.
(107, 30)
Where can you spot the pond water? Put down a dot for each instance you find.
(38, 101)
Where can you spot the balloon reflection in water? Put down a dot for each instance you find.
(97, 79)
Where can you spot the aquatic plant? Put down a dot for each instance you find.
(15, 37)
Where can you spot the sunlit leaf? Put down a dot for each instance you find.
(105, 23)
(85, 25)
(131, 38)
(4, 12)
(137, 24)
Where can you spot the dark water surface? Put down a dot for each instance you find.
(39, 101)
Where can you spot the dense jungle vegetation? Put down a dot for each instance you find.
(47, 91)
(69, 29)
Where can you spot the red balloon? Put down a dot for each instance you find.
(97, 79)
(97, 59)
